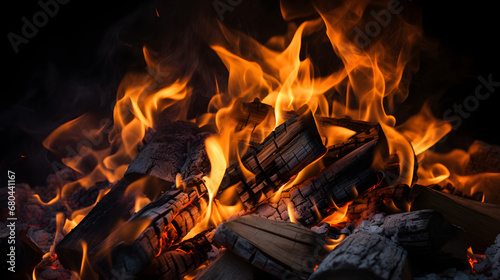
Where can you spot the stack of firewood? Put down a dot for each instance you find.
(262, 241)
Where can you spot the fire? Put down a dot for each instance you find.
(371, 80)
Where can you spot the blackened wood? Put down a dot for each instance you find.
(167, 220)
(180, 260)
(280, 248)
(320, 196)
(336, 152)
(249, 115)
(356, 125)
(481, 221)
(364, 255)
(197, 163)
(162, 157)
(431, 241)
(228, 265)
(165, 153)
(390, 200)
(287, 150)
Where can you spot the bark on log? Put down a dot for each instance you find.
(431, 241)
(288, 149)
(481, 221)
(364, 255)
(173, 139)
(319, 197)
(268, 245)
(231, 266)
(158, 225)
(180, 260)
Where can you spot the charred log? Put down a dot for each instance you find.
(180, 260)
(431, 241)
(116, 205)
(288, 149)
(157, 226)
(317, 198)
(481, 221)
(364, 255)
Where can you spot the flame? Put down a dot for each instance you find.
(369, 83)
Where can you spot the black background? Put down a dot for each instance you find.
(75, 63)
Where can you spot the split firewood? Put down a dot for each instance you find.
(320, 196)
(133, 246)
(481, 221)
(180, 260)
(280, 248)
(287, 150)
(364, 255)
(228, 265)
(431, 241)
(161, 157)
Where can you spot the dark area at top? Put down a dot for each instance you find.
(74, 63)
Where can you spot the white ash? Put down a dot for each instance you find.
(490, 265)
(322, 229)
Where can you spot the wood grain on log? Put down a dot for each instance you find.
(280, 248)
(481, 221)
(231, 266)
(364, 255)
(287, 150)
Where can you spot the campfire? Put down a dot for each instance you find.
(290, 171)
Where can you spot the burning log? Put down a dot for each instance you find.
(280, 248)
(358, 126)
(153, 159)
(288, 149)
(175, 213)
(429, 239)
(392, 199)
(165, 153)
(180, 260)
(161, 223)
(336, 185)
(197, 162)
(364, 255)
(338, 151)
(481, 221)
